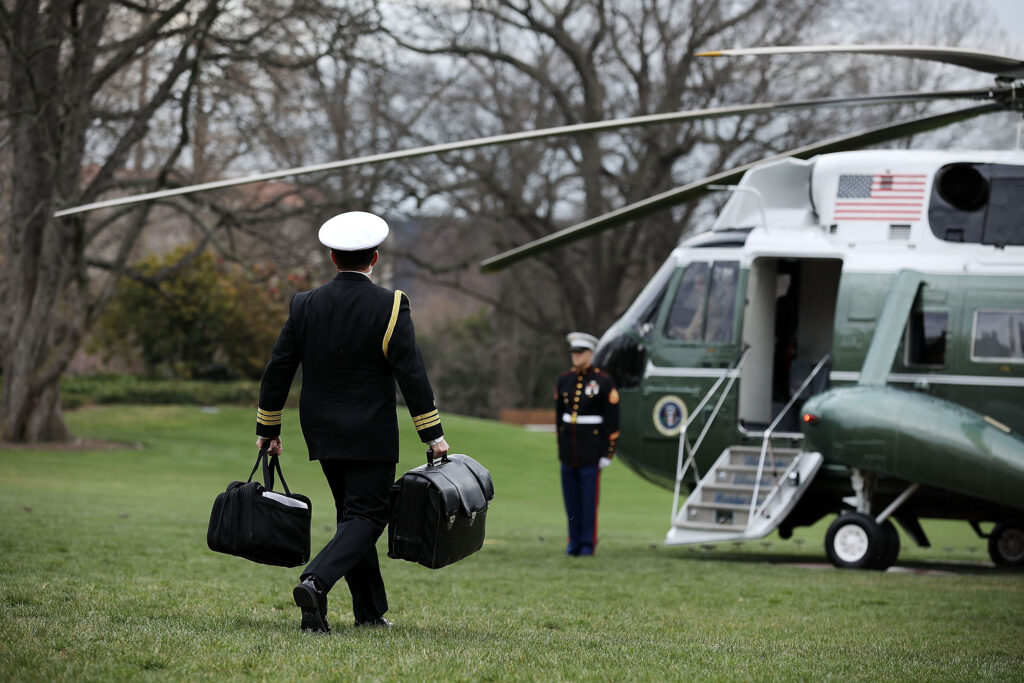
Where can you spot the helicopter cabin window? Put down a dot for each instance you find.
(705, 304)
(998, 336)
(926, 338)
(722, 302)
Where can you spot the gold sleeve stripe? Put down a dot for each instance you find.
(269, 418)
(613, 436)
(424, 417)
(427, 425)
(394, 319)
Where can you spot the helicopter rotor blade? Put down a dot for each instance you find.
(557, 131)
(694, 190)
(1001, 66)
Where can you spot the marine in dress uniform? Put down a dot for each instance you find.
(587, 422)
(353, 339)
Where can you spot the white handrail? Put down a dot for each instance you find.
(766, 443)
(732, 373)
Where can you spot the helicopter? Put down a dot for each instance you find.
(847, 338)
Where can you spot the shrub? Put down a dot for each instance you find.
(106, 389)
(198, 319)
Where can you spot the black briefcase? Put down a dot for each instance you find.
(253, 521)
(438, 512)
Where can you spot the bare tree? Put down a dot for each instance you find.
(507, 65)
(91, 89)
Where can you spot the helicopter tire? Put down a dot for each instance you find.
(855, 541)
(891, 549)
(1006, 544)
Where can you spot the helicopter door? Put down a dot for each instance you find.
(694, 337)
(787, 323)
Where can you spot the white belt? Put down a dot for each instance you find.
(583, 419)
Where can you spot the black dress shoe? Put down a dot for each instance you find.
(379, 622)
(313, 603)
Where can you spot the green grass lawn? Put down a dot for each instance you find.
(105, 574)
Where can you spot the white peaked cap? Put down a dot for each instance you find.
(581, 340)
(353, 231)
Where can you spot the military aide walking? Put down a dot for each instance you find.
(353, 340)
(587, 422)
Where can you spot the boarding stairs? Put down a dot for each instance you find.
(742, 497)
(749, 490)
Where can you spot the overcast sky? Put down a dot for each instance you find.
(1011, 16)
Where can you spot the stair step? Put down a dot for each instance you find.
(742, 502)
(751, 460)
(756, 452)
(718, 505)
(709, 526)
(752, 469)
(729, 488)
(732, 496)
(715, 514)
(745, 477)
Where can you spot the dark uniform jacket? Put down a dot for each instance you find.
(586, 416)
(353, 339)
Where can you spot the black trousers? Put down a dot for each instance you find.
(361, 491)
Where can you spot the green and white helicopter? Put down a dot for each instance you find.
(847, 339)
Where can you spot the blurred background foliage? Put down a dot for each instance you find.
(195, 318)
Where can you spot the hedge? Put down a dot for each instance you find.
(85, 389)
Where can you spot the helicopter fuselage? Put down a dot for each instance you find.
(807, 264)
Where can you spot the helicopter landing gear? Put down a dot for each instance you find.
(1006, 544)
(856, 541)
(892, 544)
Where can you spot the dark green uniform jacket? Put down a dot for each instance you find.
(353, 340)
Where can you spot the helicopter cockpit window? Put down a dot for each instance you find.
(926, 338)
(645, 322)
(722, 302)
(998, 336)
(686, 319)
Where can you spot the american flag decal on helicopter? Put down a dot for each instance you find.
(880, 197)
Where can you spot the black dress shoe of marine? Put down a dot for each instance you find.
(379, 622)
(313, 603)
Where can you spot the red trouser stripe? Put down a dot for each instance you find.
(597, 495)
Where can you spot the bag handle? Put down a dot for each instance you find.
(259, 459)
(430, 458)
(270, 463)
(275, 464)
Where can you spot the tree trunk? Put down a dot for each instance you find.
(31, 413)
(43, 323)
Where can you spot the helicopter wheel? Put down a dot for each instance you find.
(1006, 544)
(855, 541)
(891, 549)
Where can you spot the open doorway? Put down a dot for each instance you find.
(788, 325)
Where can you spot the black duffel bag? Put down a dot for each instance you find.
(253, 521)
(438, 512)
